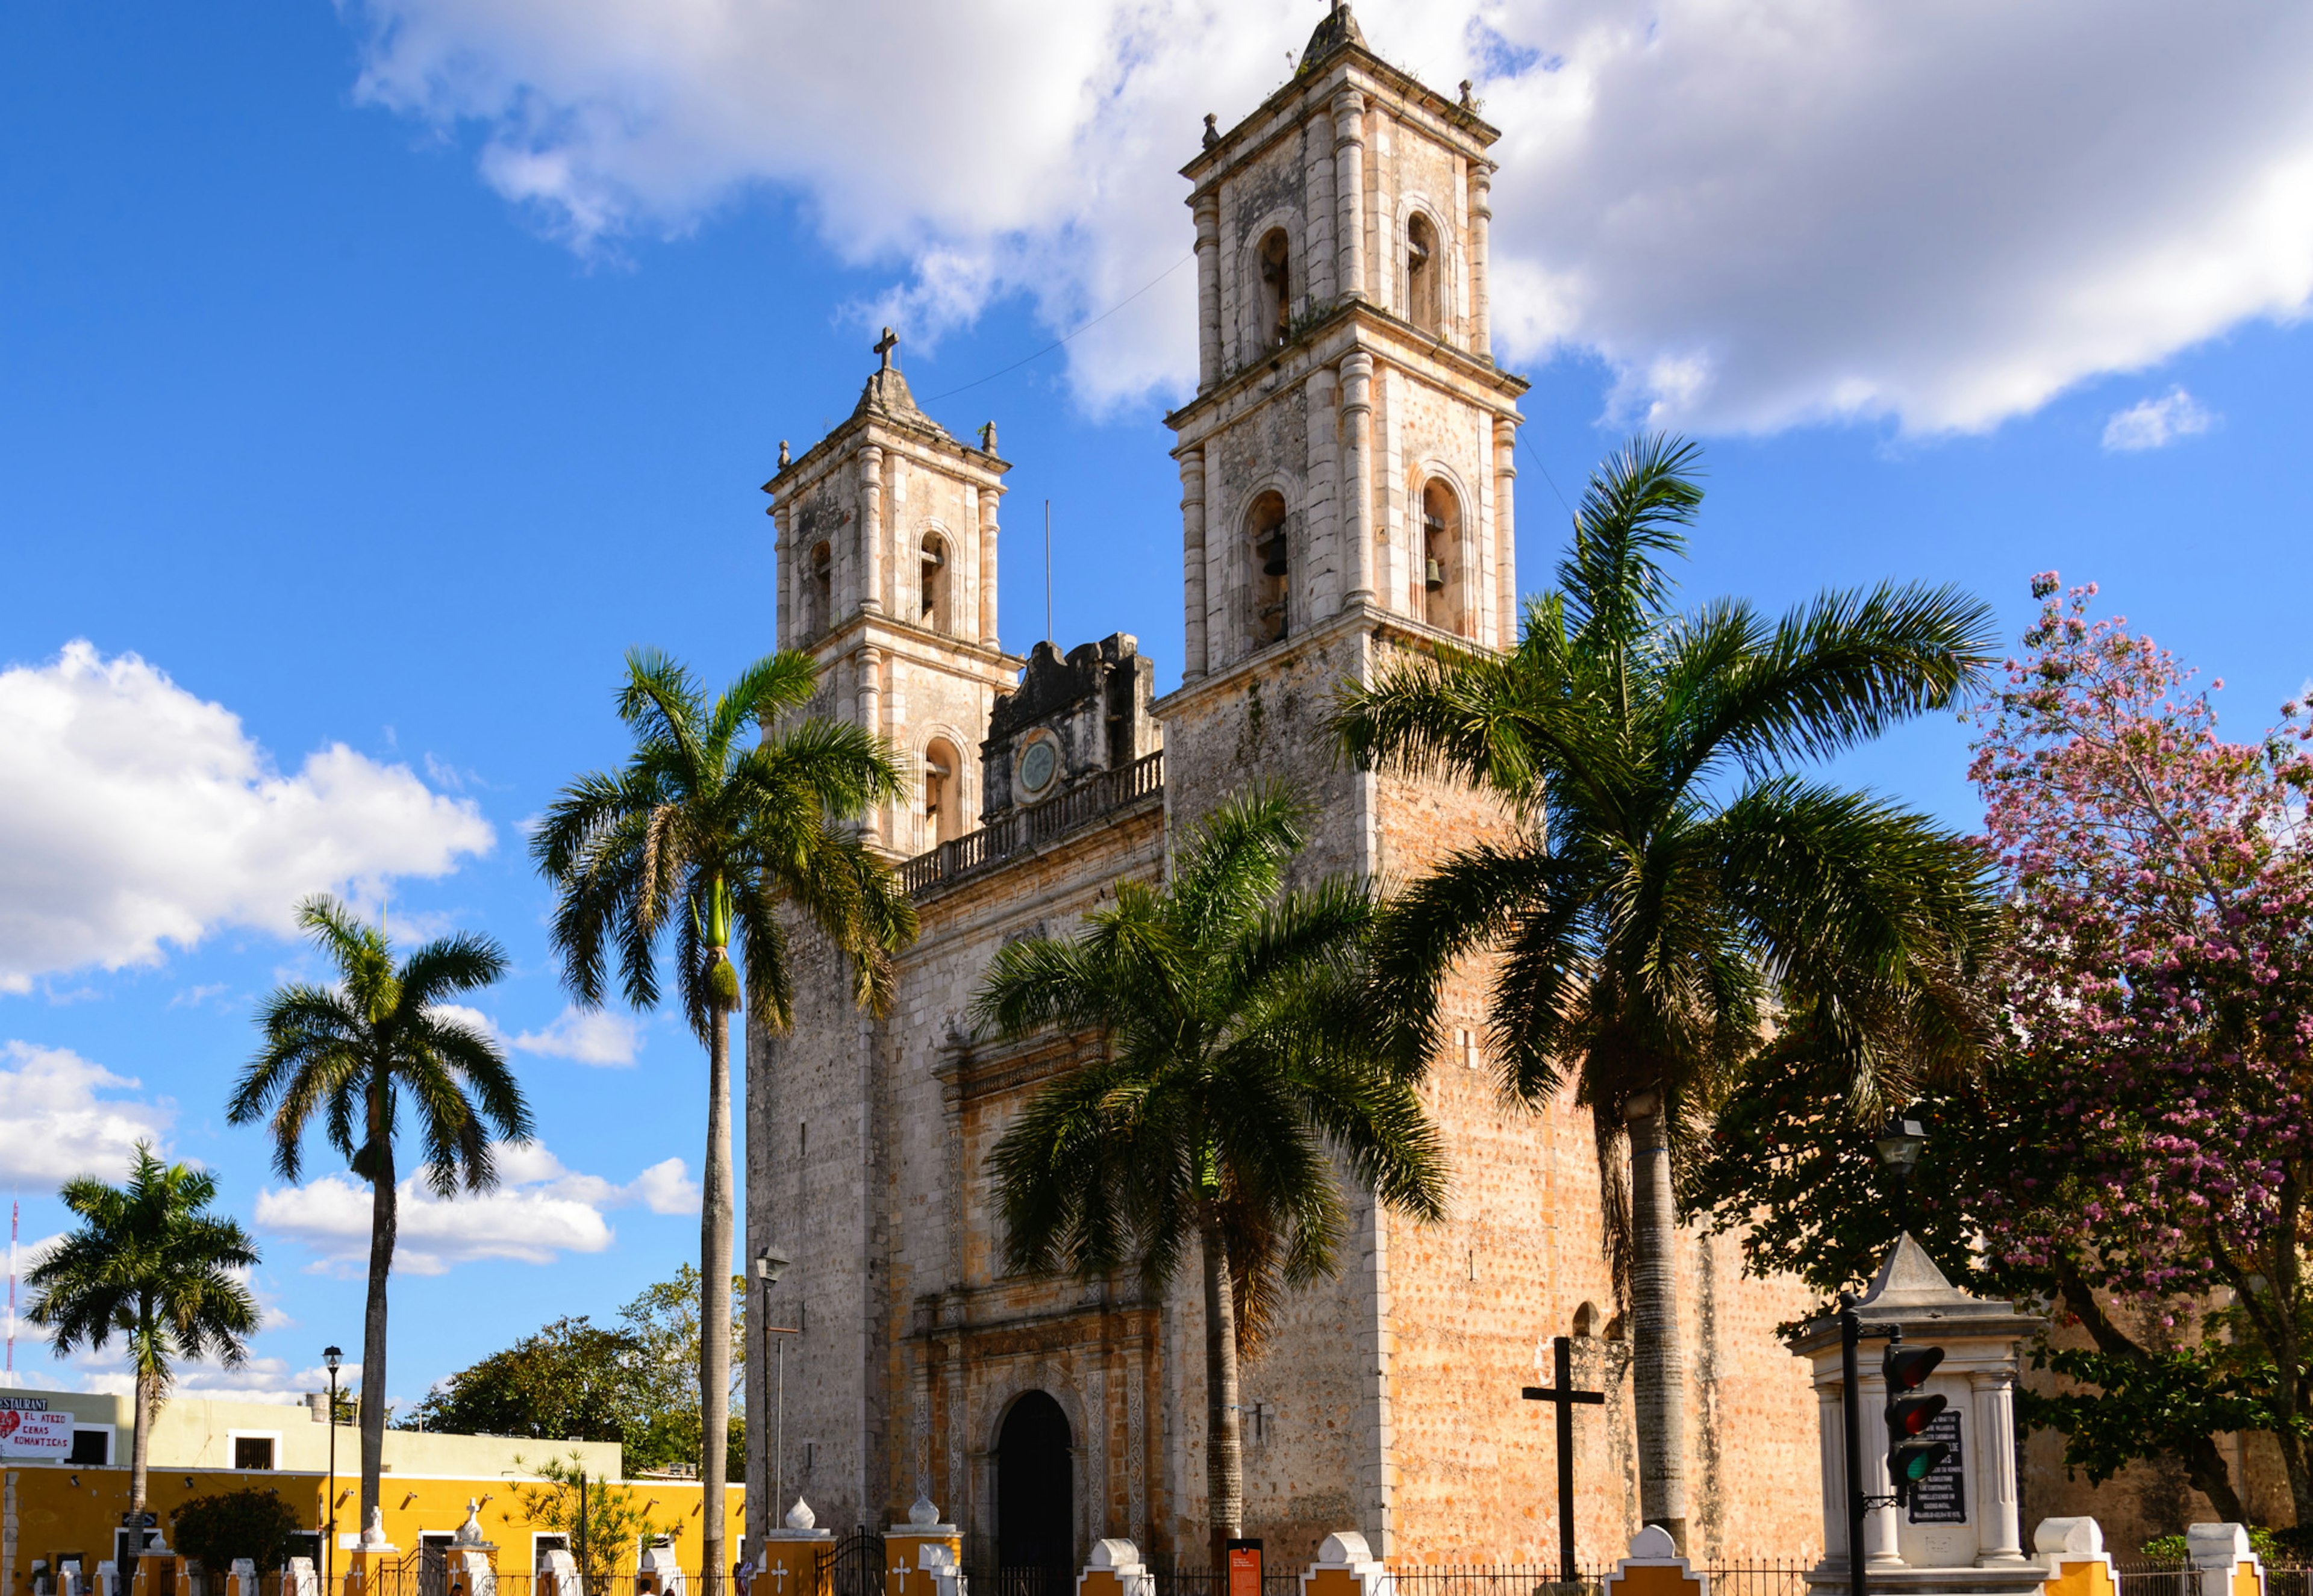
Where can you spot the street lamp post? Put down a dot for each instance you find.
(770, 1264)
(330, 1357)
(1898, 1145)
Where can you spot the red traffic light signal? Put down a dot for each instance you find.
(1909, 1459)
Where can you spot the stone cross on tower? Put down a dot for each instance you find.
(887, 346)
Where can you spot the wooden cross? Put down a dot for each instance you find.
(1565, 1396)
(886, 345)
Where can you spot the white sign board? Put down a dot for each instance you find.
(25, 1434)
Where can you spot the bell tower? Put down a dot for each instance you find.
(1349, 451)
(1346, 476)
(887, 561)
(1346, 466)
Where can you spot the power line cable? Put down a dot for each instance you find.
(1056, 343)
(1535, 455)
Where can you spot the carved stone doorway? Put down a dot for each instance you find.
(1035, 1496)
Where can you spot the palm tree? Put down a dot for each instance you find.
(1675, 879)
(351, 1054)
(711, 837)
(149, 1260)
(1234, 1063)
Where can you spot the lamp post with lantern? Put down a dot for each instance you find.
(1898, 1145)
(770, 1264)
(330, 1358)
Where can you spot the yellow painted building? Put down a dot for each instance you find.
(74, 1506)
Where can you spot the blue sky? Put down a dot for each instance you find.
(384, 402)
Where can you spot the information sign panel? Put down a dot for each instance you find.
(1942, 1498)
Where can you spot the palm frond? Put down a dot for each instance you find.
(1635, 511)
(1825, 677)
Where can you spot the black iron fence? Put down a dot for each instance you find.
(1545, 1579)
(1024, 828)
(855, 1564)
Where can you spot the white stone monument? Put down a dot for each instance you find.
(1347, 1553)
(243, 1581)
(1959, 1532)
(2223, 1564)
(299, 1579)
(1115, 1569)
(660, 1570)
(558, 1573)
(108, 1578)
(470, 1569)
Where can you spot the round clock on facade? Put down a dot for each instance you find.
(1039, 763)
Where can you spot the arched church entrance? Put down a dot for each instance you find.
(1035, 1498)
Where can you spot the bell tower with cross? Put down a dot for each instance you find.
(886, 565)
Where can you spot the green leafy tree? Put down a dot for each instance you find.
(253, 1523)
(359, 1054)
(570, 1380)
(1678, 879)
(1235, 1062)
(662, 1322)
(635, 1382)
(604, 1522)
(2133, 1152)
(150, 1263)
(704, 834)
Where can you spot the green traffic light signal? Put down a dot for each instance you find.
(1909, 1459)
(1914, 1460)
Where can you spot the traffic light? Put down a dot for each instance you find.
(1911, 1459)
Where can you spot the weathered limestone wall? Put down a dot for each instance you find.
(811, 1138)
(964, 1339)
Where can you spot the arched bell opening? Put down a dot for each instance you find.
(1276, 256)
(942, 793)
(1424, 304)
(1441, 556)
(819, 585)
(933, 584)
(1272, 569)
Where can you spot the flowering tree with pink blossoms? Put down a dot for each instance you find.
(2158, 980)
(2136, 1145)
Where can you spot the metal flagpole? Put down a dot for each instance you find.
(1048, 570)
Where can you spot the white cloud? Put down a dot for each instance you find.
(60, 1127)
(132, 814)
(258, 1380)
(539, 1210)
(473, 1019)
(666, 1188)
(596, 1037)
(2157, 423)
(1757, 214)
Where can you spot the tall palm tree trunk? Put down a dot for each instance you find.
(714, 1303)
(1223, 1440)
(1658, 1360)
(140, 1457)
(385, 1221)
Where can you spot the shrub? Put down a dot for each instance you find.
(2270, 1546)
(252, 1523)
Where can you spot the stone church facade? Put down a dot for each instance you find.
(1347, 472)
